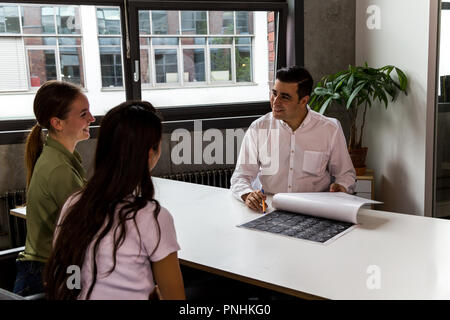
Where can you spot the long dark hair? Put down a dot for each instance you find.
(126, 135)
(53, 99)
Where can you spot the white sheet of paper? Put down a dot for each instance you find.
(331, 205)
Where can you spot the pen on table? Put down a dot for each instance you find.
(263, 202)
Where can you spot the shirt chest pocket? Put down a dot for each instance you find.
(314, 162)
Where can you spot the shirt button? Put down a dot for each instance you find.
(290, 169)
(292, 151)
(290, 187)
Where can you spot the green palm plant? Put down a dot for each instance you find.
(356, 89)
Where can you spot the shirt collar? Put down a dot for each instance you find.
(58, 146)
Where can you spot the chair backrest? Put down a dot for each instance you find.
(8, 267)
(8, 295)
(8, 276)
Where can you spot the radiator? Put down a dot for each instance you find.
(216, 177)
(10, 225)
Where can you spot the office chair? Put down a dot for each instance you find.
(8, 276)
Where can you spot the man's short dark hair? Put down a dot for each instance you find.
(298, 75)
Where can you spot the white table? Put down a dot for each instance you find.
(20, 212)
(411, 253)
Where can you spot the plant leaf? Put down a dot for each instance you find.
(354, 94)
(325, 105)
(402, 79)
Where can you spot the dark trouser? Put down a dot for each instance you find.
(29, 278)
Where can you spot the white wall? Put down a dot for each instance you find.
(397, 137)
(20, 105)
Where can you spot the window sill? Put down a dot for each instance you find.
(107, 89)
(200, 86)
(219, 116)
(27, 91)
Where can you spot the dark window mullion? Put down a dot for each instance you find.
(132, 88)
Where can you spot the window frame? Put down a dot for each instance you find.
(233, 115)
(133, 28)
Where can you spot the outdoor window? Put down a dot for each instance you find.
(109, 41)
(39, 43)
(185, 48)
(208, 56)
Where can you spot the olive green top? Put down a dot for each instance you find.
(57, 174)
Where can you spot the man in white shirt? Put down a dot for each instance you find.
(292, 148)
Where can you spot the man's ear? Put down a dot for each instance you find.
(56, 123)
(304, 100)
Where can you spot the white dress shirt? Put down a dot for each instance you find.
(281, 160)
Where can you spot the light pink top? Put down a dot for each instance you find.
(132, 278)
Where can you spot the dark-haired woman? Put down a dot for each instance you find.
(54, 172)
(114, 230)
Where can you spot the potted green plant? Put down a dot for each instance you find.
(356, 89)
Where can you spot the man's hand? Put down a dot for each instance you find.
(254, 200)
(336, 187)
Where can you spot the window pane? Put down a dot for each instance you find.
(37, 19)
(243, 40)
(194, 65)
(220, 40)
(103, 41)
(42, 66)
(111, 66)
(196, 40)
(69, 41)
(165, 22)
(221, 22)
(71, 65)
(106, 58)
(244, 22)
(165, 41)
(68, 20)
(108, 20)
(243, 64)
(9, 19)
(39, 41)
(220, 64)
(145, 66)
(193, 22)
(166, 66)
(144, 22)
(144, 41)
